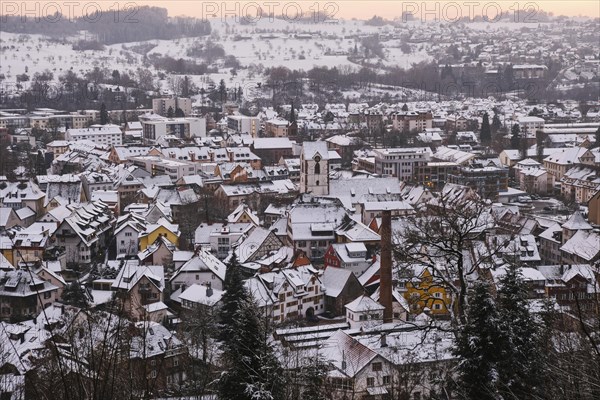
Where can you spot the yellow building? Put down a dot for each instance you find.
(424, 290)
(161, 228)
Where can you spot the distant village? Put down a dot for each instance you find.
(416, 216)
(145, 217)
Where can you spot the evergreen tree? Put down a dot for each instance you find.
(292, 114)
(314, 376)
(540, 139)
(521, 369)
(405, 107)
(75, 295)
(103, 114)
(40, 164)
(250, 368)
(179, 113)
(185, 86)
(496, 124)
(480, 346)
(222, 90)
(515, 137)
(170, 112)
(485, 133)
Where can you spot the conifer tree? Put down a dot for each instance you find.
(521, 369)
(485, 133)
(103, 114)
(170, 112)
(250, 369)
(515, 138)
(480, 346)
(496, 124)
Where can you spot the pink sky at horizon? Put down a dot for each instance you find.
(444, 10)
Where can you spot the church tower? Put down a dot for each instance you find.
(314, 168)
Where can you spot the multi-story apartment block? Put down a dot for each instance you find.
(243, 124)
(182, 128)
(402, 163)
(104, 135)
(412, 121)
(161, 106)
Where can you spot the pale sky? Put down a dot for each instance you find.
(362, 9)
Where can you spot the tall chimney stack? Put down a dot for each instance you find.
(385, 269)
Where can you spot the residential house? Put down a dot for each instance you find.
(85, 233)
(127, 231)
(162, 227)
(158, 356)
(580, 184)
(351, 256)
(200, 296)
(356, 369)
(423, 290)
(137, 286)
(8, 218)
(311, 226)
(23, 294)
(559, 162)
(161, 252)
(364, 312)
(203, 268)
(341, 287)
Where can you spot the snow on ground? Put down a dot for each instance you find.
(36, 53)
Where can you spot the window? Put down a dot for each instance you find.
(437, 295)
(387, 380)
(153, 374)
(317, 169)
(370, 382)
(376, 366)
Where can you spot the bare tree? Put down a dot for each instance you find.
(446, 235)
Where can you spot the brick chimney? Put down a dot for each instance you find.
(385, 269)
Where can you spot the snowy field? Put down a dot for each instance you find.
(268, 43)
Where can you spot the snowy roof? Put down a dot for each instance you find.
(203, 261)
(584, 244)
(334, 280)
(364, 303)
(272, 143)
(576, 222)
(202, 295)
(567, 156)
(347, 354)
(131, 273)
(311, 149)
(356, 231)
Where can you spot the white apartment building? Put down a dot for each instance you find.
(105, 135)
(531, 124)
(401, 163)
(243, 124)
(154, 129)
